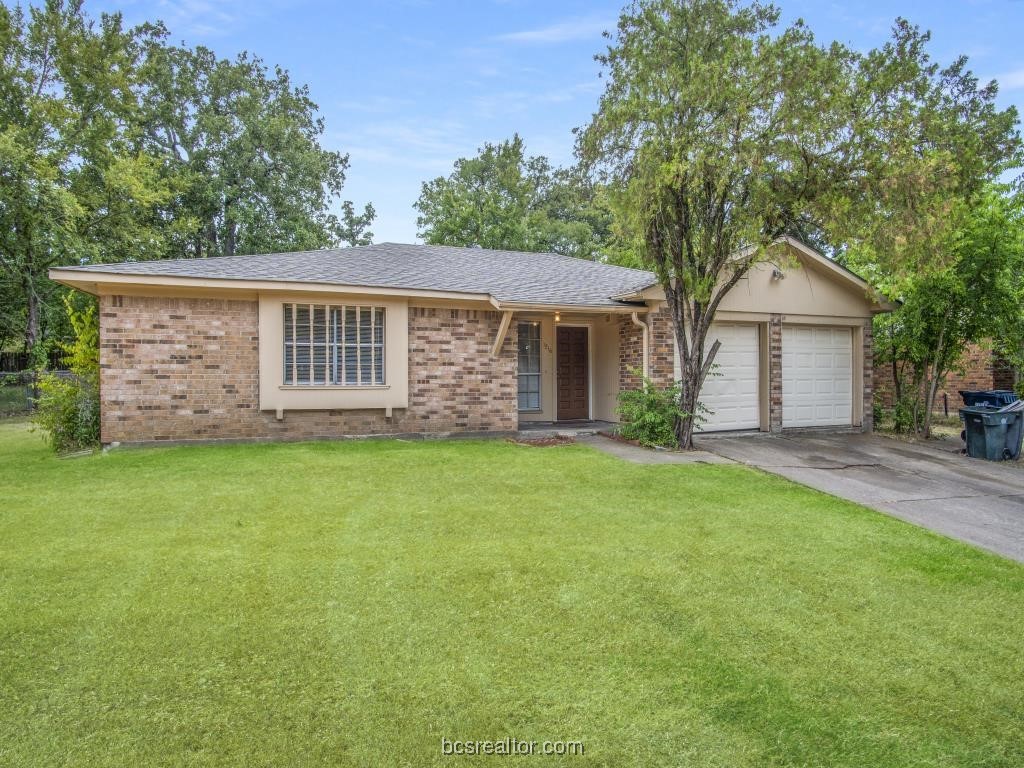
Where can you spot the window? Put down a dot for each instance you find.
(340, 346)
(529, 366)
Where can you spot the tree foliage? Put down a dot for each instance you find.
(116, 146)
(973, 296)
(718, 132)
(243, 143)
(68, 408)
(504, 199)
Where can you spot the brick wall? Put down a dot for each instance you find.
(981, 369)
(187, 369)
(775, 373)
(631, 355)
(868, 424)
(661, 349)
(663, 339)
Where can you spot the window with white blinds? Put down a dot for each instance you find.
(332, 345)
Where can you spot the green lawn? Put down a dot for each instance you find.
(353, 603)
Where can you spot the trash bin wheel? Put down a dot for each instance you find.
(1007, 454)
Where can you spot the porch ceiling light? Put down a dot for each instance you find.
(558, 317)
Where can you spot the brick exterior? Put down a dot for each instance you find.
(775, 373)
(868, 424)
(178, 369)
(631, 353)
(663, 339)
(981, 369)
(661, 349)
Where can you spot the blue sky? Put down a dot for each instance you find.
(406, 87)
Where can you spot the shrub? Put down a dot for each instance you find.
(649, 414)
(68, 407)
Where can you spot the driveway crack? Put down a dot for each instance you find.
(812, 466)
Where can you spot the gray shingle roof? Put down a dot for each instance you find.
(508, 276)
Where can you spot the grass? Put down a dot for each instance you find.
(352, 603)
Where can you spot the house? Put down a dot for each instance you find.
(418, 339)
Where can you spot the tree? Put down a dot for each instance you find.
(115, 146)
(505, 200)
(242, 144)
(718, 133)
(715, 138)
(1009, 337)
(70, 180)
(971, 297)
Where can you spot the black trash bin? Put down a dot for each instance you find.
(992, 433)
(993, 398)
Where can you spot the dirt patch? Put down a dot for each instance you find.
(611, 435)
(543, 442)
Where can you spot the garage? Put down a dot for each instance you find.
(731, 390)
(817, 376)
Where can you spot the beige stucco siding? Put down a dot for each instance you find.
(814, 292)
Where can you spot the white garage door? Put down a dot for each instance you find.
(817, 376)
(730, 391)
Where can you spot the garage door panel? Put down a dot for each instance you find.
(731, 391)
(817, 376)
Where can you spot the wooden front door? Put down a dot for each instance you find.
(572, 373)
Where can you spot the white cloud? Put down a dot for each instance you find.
(1011, 81)
(561, 32)
(494, 104)
(200, 17)
(406, 141)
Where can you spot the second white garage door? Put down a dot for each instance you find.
(817, 376)
(731, 390)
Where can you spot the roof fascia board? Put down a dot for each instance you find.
(81, 279)
(598, 309)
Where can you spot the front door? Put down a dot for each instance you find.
(573, 375)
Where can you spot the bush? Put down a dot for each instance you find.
(649, 414)
(68, 407)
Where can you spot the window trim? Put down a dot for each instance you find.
(335, 346)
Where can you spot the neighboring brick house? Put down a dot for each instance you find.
(979, 368)
(417, 340)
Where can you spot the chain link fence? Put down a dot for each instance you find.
(19, 390)
(19, 383)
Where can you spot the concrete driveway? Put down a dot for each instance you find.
(976, 501)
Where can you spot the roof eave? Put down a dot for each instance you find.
(597, 309)
(76, 278)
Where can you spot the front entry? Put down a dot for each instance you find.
(572, 373)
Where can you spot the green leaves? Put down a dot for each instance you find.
(115, 146)
(246, 143)
(718, 132)
(503, 199)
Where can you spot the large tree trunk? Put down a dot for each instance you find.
(694, 372)
(694, 364)
(230, 233)
(897, 384)
(33, 331)
(211, 239)
(936, 375)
